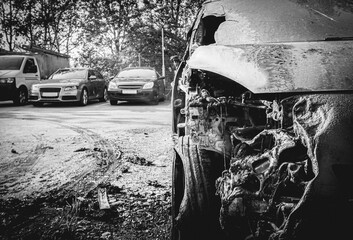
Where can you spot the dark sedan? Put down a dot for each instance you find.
(137, 84)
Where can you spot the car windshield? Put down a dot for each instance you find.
(275, 21)
(11, 63)
(69, 74)
(136, 74)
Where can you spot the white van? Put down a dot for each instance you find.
(17, 74)
(19, 71)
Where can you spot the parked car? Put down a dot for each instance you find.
(137, 84)
(19, 71)
(263, 122)
(70, 85)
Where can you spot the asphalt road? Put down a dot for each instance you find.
(95, 115)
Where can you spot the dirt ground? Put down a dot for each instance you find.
(49, 182)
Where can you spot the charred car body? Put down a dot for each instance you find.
(263, 119)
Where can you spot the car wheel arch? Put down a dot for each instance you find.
(17, 98)
(82, 101)
(23, 87)
(105, 95)
(193, 203)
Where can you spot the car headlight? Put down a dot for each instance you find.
(148, 85)
(7, 80)
(70, 88)
(112, 86)
(35, 88)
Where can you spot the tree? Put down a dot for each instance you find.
(146, 38)
(42, 23)
(9, 20)
(50, 22)
(108, 34)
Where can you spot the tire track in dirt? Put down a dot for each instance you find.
(13, 171)
(109, 160)
(14, 179)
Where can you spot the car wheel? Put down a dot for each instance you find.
(195, 207)
(162, 99)
(155, 99)
(177, 193)
(155, 102)
(21, 97)
(104, 97)
(113, 102)
(37, 104)
(84, 97)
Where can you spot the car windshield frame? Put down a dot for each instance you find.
(69, 74)
(138, 73)
(275, 21)
(11, 63)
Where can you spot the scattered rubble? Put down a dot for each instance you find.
(139, 206)
(154, 183)
(14, 151)
(138, 160)
(141, 216)
(82, 149)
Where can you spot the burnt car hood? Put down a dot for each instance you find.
(265, 21)
(281, 67)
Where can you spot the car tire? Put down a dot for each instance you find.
(195, 207)
(177, 193)
(38, 104)
(114, 102)
(21, 97)
(155, 100)
(104, 97)
(162, 97)
(84, 97)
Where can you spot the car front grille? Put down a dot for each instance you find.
(33, 97)
(130, 86)
(50, 89)
(49, 93)
(69, 98)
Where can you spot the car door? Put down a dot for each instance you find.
(92, 88)
(160, 84)
(100, 83)
(30, 72)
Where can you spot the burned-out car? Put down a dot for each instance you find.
(263, 122)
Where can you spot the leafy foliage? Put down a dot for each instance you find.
(106, 34)
(42, 23)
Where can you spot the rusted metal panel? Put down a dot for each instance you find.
(287, 67)
(268, 21)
